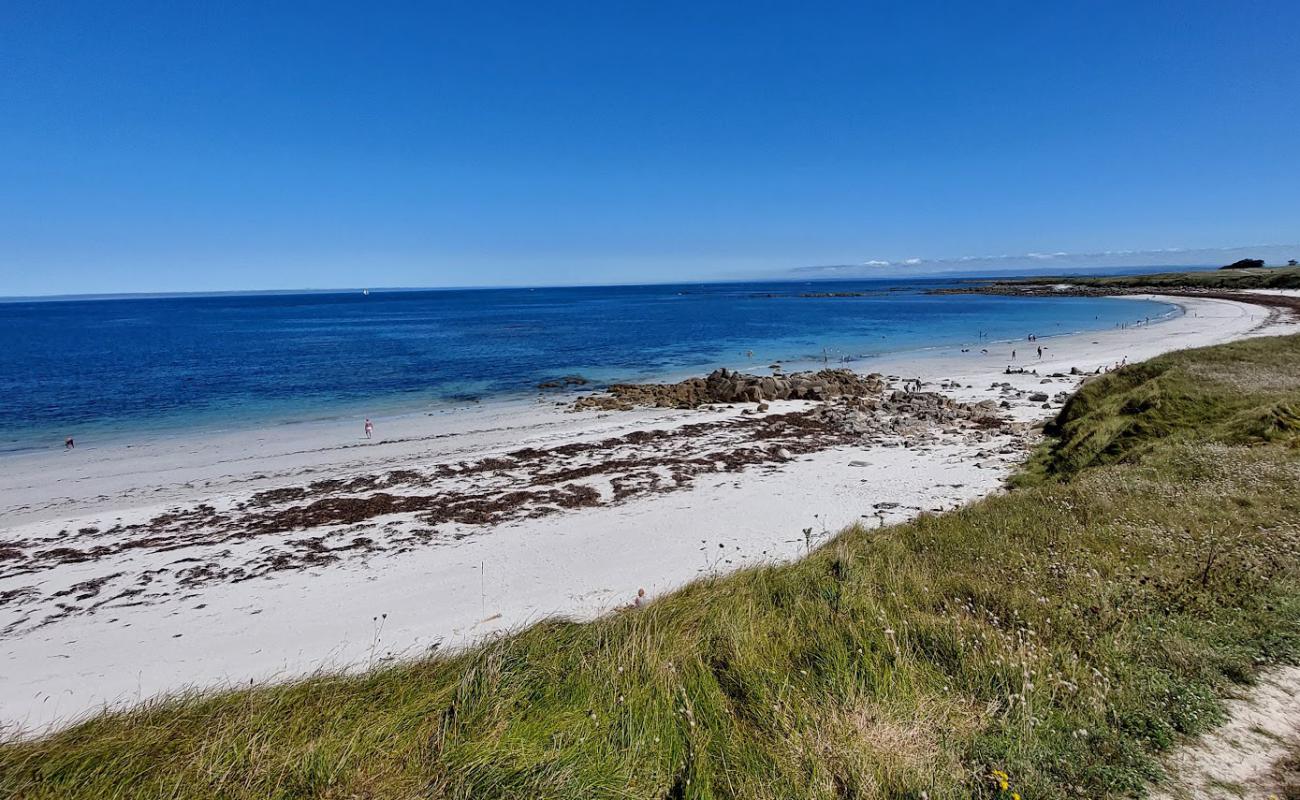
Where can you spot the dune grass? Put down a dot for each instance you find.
(1060, 635)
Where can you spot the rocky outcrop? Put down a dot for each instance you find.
(727, 386)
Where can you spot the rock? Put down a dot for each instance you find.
(1037, 397)
(726, 386)
(763, 407)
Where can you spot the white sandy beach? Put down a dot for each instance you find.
(113, 624)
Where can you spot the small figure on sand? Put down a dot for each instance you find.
(370, 428)
(68, 443)
(640, 597)
(1013, 354)
(1040, 352)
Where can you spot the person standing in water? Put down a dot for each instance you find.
(68, 444)
(370, 427)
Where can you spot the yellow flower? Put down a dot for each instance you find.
(1003, 785)
(1015, 796)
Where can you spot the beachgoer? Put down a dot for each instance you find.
(370, 427)
(1013, 354)
(640, 597)
(68, 444)
(1040, 352)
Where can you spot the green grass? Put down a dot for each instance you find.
(1266, 278)
(1065, 632)
(1245, 394)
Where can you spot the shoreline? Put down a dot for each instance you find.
(453, 590)
(177, 427)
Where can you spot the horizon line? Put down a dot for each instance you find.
(788, 277)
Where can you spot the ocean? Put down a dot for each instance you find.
(144, 366)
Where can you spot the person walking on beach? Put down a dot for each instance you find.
(68, 444)
(1040, 352)
(370, 427)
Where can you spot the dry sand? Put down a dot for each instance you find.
(115, 616)
(1238, 758)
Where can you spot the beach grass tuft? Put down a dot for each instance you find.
(1049, 642)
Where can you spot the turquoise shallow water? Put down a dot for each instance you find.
(108, 368)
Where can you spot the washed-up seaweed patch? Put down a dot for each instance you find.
(332, 522)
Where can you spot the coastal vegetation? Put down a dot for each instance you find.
(1237, 278)
(1048, 642)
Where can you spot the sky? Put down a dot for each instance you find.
(179, 146)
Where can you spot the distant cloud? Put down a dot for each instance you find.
(1058, 261)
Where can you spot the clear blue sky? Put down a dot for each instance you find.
(198, 146)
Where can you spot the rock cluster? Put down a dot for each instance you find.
(912, 417)
(727, 386)
(930, 406)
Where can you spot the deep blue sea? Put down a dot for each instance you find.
(143, 366)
